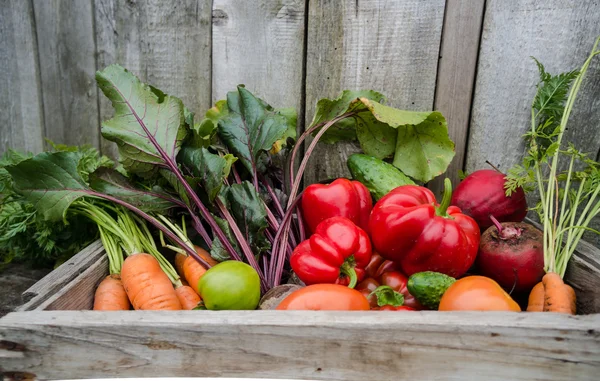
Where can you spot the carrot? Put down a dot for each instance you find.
(193, 271)
(188, 297)
(205, 255)
(179, 259)
(147, 286)
(536, 298)
(573, 298)
(110, 295)
(557, 297)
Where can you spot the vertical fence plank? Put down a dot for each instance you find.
(259, 44)
(456, 76)
(166, 44)
(560, 34)
(21, 115)
(66, 47)
(388, 46)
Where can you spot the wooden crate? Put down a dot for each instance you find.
(53, 336)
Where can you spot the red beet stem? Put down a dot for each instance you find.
(506, 232)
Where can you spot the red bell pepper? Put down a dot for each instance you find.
(410, 228)
(394, 308)
(338, 247)
(379, 265)
(341, 198)
(394, 280)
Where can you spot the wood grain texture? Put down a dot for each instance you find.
(166, 44)
(303, 345)
(79, 293)
(259, 44)
(388, 46)
(63, 275)
(558, 33)
(66, 46)
(583, 274)
(21, 112)
(456, 76)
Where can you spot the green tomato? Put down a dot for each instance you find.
(230, 285)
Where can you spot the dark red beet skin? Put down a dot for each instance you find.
(513, 257)
(482, 194)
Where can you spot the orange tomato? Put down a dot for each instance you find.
(477, 293)
(332, 297)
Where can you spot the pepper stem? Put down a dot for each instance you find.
(348, 270)
(441, 210)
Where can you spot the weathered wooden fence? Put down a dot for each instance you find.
(466, 58)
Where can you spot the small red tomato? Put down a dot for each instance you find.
(392, 308)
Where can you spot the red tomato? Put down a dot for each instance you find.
(332, 297)
(392, 308)
(477, 293)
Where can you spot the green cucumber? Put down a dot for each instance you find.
(428, 287)
(378, 176)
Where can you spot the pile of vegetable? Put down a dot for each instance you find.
(212, 212)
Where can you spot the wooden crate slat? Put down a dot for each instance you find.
(313, 345)
(387, 46)
(63, 275)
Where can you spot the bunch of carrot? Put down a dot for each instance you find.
(145, 279)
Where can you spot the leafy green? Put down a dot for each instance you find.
(328, 109)
(251, 127)
(249, 212)
(143, 116)
(110, 182)
(208, 168)
(218, 251)
(569, 198)
(24, 235)
(417, 141)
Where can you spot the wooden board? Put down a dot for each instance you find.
(166, 44)
(558, 33)
(259, 44)
(302, 345)
(65, 35)
(21, 112)
(456, 77)
(583, 273)
(388, 46)
(52, 283)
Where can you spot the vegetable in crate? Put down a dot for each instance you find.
(477, 293)
(428, 287)
(322, 297)
(230, 285)
(512, 254)
(378, 176)
(338, 247)
(481, 195)
(397, 284)
(407, 226)
(569, 197)
(341, 198)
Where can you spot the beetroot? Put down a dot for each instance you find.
(482, 194)
(512, 254)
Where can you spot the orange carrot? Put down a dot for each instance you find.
(536, 298)
(188, 297)
(147, 286)
(193, 271)
(205, 255)
(573, 298)
(557, 297)
(179, 259)
(110, 295)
